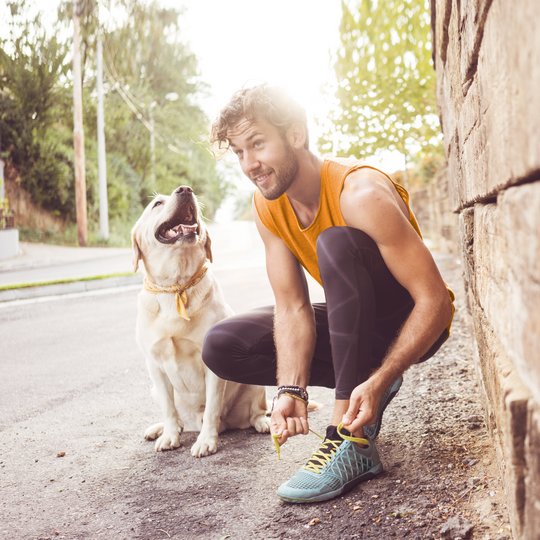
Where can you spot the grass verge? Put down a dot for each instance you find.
(119, 236)
(62, 281)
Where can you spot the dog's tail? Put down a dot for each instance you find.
(313, 405)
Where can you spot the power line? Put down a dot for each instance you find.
(134, 105)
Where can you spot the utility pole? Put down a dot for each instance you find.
(78, 132)
(102, 166)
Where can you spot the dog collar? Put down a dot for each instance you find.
(180, 291)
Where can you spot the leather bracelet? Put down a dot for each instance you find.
(293, 390)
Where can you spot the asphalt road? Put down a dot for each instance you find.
(73, 381)
(74, 403)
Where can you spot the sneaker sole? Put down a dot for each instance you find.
(368, 475)
(387, 401)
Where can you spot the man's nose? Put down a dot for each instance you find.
(183, 190)
(251, 162)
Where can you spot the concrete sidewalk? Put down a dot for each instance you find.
(36, 271)
(77, 270)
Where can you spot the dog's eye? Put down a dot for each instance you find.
(157, 203)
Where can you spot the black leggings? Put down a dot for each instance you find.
(364, 311)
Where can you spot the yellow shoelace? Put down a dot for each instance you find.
(328, 448)
(358, 440)
(319, 456)
(277, 446)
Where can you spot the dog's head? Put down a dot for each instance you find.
(170, 236)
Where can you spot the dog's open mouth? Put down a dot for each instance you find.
(170, 232)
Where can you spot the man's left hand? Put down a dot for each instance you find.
(363, 405)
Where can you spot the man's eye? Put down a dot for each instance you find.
(257, 144)
(157, 203)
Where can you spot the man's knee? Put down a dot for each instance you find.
(337, 245)
(216, 349)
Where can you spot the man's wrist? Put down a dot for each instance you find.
(298, 393)
(292, 380)
(385, 376)
(293, 390)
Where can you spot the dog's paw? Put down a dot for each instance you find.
(153, 431)
(204, 446)
(168, 441)
(262, 423)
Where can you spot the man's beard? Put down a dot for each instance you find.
(284, 175)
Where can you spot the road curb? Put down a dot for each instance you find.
(57, 289)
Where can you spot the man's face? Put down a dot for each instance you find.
(266, 158)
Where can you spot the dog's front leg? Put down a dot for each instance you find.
(207, 441)
(163, 393)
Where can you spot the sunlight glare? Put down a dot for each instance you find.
(245, 42)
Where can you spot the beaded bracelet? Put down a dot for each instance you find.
(295, 390)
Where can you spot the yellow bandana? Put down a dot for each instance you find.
(178, 290)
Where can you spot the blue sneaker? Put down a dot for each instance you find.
(372, 430)
(335, 468)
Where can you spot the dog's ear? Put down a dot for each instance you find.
(137, 253)
(208, 247)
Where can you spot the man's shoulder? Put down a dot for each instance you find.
(340, 164)
(370, 190)
(367, 182)
(355, 170)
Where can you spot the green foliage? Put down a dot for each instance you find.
(157, 82)
(32, 103)
(386, 82)
(88, 21)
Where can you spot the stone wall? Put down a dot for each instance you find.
(487, 58)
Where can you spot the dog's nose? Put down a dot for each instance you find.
(183, 190)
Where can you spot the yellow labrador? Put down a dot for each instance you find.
(180, 301)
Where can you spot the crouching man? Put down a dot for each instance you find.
(350, 226)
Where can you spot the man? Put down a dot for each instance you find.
(387, 307)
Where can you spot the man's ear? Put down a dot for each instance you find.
(208, 247)
(297, 134)
(137, 253)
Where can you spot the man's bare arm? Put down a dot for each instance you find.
(294, 330)
(369, 204)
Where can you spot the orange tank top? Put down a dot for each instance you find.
(278, 216)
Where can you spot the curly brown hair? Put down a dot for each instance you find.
(262, 101)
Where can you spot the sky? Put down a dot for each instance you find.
(284, 42)
(290, 43)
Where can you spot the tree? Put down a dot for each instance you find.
(385, 96)
(153, 84)
(32, 103)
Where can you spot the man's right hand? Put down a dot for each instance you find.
(289, 418)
